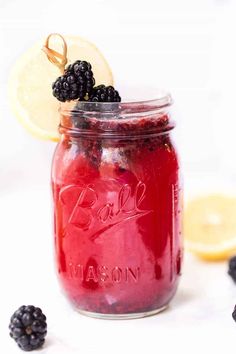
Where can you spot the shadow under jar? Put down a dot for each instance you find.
(117, 207)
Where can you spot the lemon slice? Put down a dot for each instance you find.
(30, 84)
(210, 226)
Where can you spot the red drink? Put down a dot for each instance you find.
(117, 208)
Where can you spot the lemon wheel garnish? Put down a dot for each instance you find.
(30, 84)
(210, 226)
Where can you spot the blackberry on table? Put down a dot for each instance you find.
(234, 313)
(28, 327)
(77, 82)
(232, 268)
(104, 93)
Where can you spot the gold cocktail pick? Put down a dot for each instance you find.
(58, 59)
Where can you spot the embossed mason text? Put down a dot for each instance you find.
(102, 274)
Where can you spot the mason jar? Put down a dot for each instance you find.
(117, 207)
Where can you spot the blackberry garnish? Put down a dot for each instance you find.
(28, 327)
(104, 93)
(232, 268)
(77, 82)
(234, 313)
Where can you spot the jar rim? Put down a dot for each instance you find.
(162, 100)
(108, 119)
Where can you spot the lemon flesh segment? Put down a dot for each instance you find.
(30, 84)
(210, 226)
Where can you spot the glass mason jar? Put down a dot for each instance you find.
(117, 207)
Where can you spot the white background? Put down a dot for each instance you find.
(185, 46)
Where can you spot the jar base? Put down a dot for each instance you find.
(124, 316)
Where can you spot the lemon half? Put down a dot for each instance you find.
(30, 84)
(210, 226)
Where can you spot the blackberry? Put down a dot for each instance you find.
(104, 93)
(234, 313)
(232, 268)
(77, 82)
(28, 327)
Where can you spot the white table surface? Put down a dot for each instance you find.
(198, 319)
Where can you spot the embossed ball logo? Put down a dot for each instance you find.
(98, 207)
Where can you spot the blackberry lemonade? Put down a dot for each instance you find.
(117, 206)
